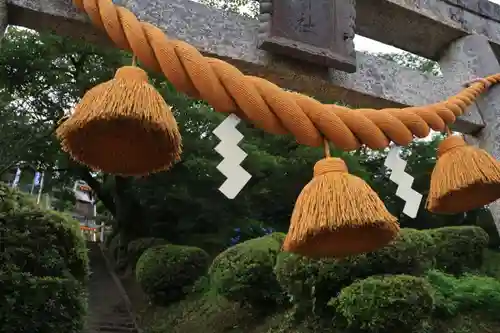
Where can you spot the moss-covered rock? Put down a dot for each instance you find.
(166, 272)
(244, 272)
(385, 304)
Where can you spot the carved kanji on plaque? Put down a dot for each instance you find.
(316, 31)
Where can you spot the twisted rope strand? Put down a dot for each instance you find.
(265, 104)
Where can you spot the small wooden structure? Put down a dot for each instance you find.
(85, 212)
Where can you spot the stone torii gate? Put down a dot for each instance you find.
(319, 59)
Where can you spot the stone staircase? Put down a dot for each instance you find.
(107, 305)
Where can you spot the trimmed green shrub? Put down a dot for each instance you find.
(165, 272)
(464, 294)
(244, 272)
(385, 304)
(410, 253)
(459, 249)
(41, 304)
(278, 236)
(43, 268)
(309, 280)
(137, 247)
(43, 243)
(333, 275)
(297, 275)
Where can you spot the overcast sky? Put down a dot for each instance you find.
(365, 44)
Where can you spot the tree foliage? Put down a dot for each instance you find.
(42, 76)
(243, 7)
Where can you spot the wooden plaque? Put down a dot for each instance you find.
(316, 31)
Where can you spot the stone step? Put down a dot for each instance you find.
(107, 310)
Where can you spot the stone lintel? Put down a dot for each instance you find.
(426, 28)
(377, 83)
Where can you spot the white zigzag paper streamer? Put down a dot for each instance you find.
(237, 177)
(404, 181)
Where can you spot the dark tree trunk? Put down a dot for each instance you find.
(129, 212)
(129, 215)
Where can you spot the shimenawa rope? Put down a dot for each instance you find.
(124, 126)
(265, 104)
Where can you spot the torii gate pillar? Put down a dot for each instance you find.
(471, 57)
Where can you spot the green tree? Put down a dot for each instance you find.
(43, 76)
(182, 205)
(244, 7)
(413, 61)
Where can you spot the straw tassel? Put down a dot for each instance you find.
(123, 127)
(464, 178)
(337, 215)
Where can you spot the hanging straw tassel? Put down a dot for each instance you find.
(337, 215)
(464, 178)
(123, 127)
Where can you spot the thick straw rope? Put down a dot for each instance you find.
(265, 104)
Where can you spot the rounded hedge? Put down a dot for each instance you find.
(305, 278)
(297, 275)
(385, 304)
(278, 236)
(244, 273)
(43, 268)
(164, 272)
(464, 294)
(412, 252)
(41, 304)
(44, 243)
(137, 247)
(459, 249)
